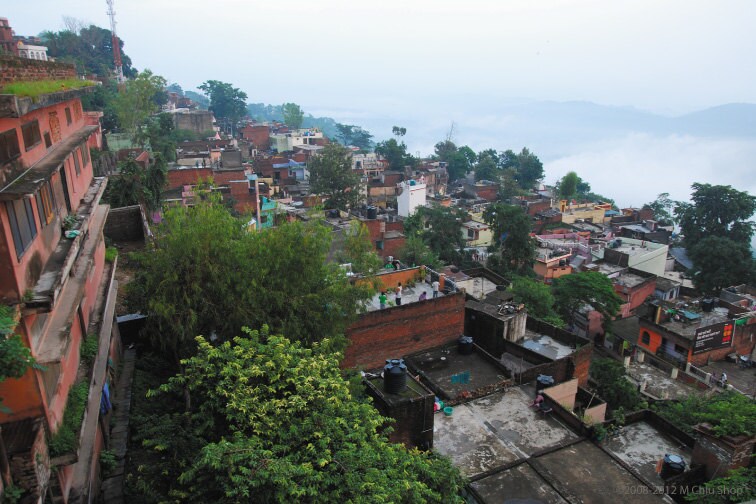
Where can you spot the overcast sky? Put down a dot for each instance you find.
(425, 63)
(661, 55)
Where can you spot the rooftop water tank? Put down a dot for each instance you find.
(394, 376)
(372, 212)
(672, 466)
(465, 345)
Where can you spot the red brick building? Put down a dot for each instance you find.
(61, 288)
(257, 134)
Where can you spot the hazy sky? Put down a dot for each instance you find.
(661, 55)
(424, 64)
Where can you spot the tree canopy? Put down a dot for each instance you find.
(572, 292)
(537, 298)
(358, 250)
(459, 161)
(662, 207)
(292, 115)
(134, 185)
(137, 101)
(719, 263)
(89, 48)
(274, 421)
(349, 134)
(716, 211)
(528, 168)
(332, 176)
(613, 387)
(207, 275)
(15, 357)
(227, 103)
(729, 414)
(395, 153)
(440, 229)
(416, 252)
(513, 250)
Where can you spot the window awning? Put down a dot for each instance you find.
(42, 170)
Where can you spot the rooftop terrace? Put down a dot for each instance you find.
(546, 345)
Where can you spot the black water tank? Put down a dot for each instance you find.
(542, 382)
(672, 466)
(372, 212)
(394, 376)
(465, 345)
(708, 304)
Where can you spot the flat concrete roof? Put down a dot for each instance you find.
(546, 345)
(634, 250)
(629, 280)
(641, 446)
(659, 383)
(440, 364)
(477, 287)
(514, 364)
(688, 329)
(496, 430)
(520, 484)
(592, 476)
(409, 295)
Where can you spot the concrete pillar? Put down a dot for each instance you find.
(643, 386)
(626, 362)
(441, 281)
(708, 377)
(687, 368)
(674, 373)
(640, 356)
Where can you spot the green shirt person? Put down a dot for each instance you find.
(382, 299)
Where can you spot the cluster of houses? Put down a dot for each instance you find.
(474, 359)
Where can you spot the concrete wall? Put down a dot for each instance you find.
(564, 393)
(199, 121)
(414, 416)
(402, 330)
(492, 333)
(125, 224)
(721, 454)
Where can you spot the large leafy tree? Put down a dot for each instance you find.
(440, 229)
(662, 207)
(613, 387)
(459, 161)
(137, 101)
(89, 48)
(487, 167)
(134, 185)
(572, 292)
(719, 263)
(416, 252)
(537, 298)
(395, 152)
(716, 211)
(730, 414)
(206, 275)
(227, 103)
(349, 134)
(331, 175)
(359, 251)
(292, 115)
(528, 168)
(567, 186)
(274, 421)
(513, 248)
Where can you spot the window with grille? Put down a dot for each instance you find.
(84, 154)
(75, 157)
(9, 148)
(31, 134)
(69, 120)
(23, 227)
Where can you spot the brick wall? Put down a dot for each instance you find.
(124, 224)
(742, 344)
(402, 330)
(14, 69)
(413, 416)
(720, 454)
(189, 176)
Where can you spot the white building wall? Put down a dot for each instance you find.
(412, 196)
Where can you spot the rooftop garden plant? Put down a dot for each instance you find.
(34, 89)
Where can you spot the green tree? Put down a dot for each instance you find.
(612, 385)
(134, 185)
(90, 48)
(528, 168)
(513, 250)
(274, 421)
(719, 263)
(716, 211)
(573, 292)
(395, 153)
(354, 135)
(537, 298)
(359, 250)
(739, 485)
(416, 252)
(445, 149)
(662, 207)
(227, 103)
(460, 163)
(292, 115)
(137, 101)
(398, 131)
(331, 175)
(567, 186)
(160, 132)
(101, 100)
(487, 168)
(440, 229)
(729, 414)
(206, 275)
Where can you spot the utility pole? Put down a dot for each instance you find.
(116, 45)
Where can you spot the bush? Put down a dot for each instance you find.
(110, 254)
(66, 439)
(88, 350)
(107, 461)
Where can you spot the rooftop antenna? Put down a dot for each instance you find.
(116, 45)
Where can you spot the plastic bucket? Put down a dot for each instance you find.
(448, 410)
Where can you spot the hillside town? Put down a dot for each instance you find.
(204, 303)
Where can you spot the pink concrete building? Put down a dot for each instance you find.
(62, 290)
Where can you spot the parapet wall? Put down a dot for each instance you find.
(14, 69)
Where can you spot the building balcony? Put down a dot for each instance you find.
(71, 255)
